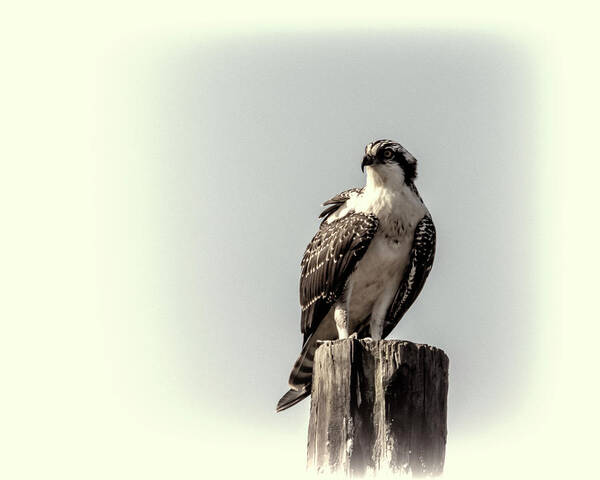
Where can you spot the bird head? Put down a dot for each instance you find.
(388, 158)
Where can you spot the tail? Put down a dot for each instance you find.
(301, 377)
(302, 372)
(292, 397)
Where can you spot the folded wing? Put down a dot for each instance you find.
(329, 260)
(419, 266)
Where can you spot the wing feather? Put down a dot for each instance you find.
(419, 266)
(329, 260)
(334, 203)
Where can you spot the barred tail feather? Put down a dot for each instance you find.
(301, 377)
(292, 397)
(302, 372)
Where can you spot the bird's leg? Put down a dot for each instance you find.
(379, 313)
(377, 326)
(341, 314)
(341, 319)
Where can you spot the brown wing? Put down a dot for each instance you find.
(336, 202)
(329, 260)
(419, 266)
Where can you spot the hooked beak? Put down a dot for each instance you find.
(367, 160)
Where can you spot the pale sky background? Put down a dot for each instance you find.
(167, 171)
(257, 132)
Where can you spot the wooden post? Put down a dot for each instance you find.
(378, 406)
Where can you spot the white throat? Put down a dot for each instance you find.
(388, 196)
(389, 177)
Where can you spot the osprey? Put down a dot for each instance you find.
(367, 263)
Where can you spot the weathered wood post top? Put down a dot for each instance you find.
(378, 406)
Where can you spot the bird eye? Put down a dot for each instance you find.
(387, 154)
